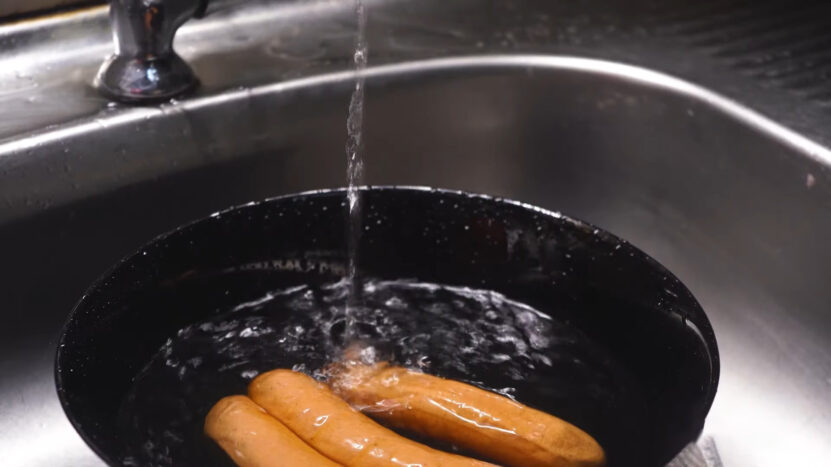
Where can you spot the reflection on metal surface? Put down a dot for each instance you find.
(16, 7)
(21, 447)
(127, 121)
(700, 454)
(733, 203)
(261, 41)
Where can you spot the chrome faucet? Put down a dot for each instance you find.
(144, 67)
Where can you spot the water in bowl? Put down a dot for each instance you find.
(477, 336)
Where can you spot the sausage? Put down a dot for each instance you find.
(480, 421)
(338, 431)
(253, 438)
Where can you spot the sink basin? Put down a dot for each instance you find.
(736, 206)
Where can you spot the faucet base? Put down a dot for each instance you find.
(135, 80)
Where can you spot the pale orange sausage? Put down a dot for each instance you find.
(338, 431)
(253, 438)
(478, 420)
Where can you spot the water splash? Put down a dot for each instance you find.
(355, 165)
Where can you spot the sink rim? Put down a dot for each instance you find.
(601, 67)
(19, 157)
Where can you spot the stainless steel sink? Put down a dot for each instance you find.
(736, 205)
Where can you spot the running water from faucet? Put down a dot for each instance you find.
(355, 167)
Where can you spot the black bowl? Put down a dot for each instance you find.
(660, 358)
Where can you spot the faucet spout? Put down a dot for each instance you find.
(144, 67)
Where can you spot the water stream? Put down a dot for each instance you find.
(355, 167)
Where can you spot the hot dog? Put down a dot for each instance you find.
(478, 420)
(253, 438)
(338, 431)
